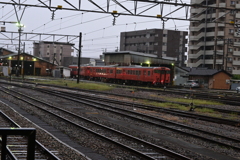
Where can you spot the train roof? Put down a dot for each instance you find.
(115, 66)
(127, 67)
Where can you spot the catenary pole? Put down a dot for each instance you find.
(79, 56)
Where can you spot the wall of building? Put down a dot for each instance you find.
(215, 45)
(53, 51)
(43, 67)
(4, 52)
(74, 61)
(218, 81)
(162, 43)
(179, 76)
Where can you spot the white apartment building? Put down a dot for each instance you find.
(214, 38)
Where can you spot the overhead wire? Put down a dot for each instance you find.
(96, 30)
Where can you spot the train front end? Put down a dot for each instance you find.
(161, 76)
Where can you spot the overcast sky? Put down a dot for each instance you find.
(98, 32)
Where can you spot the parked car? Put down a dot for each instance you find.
(191, 83)
(238, 89)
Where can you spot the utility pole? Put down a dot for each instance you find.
(19, 47)
(79, 55)
(20, 26)
(227, 54)
(215, 53)
(23, 61)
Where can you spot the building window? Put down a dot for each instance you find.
(232, 2)
(231, 31)
(164, 43)
(47, 53)
(229, 59)
(230, 50)
(229, 68)
(164, 35)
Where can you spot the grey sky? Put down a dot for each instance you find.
(98, 32)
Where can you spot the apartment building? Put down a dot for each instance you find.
(214, 39)
(54, 52)
(163, 43)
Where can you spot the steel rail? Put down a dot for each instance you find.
(48, 153)
(157, 148)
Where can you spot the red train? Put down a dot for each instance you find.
(124, 74)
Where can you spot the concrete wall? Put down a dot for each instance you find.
(40, 68)
(4, 70)
(179, 78)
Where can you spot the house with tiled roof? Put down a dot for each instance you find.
(210, 78)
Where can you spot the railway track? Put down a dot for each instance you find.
(132, 144)
(162, 110)
(193, 132)
(17, 146)
(230, 98)
(236, 112)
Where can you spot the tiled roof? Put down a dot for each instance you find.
(203, 71)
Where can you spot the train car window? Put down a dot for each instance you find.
(149, 73)
(111, 71)
(139, 72)
(144, 72)
(134, 72)
(156, 71)
(162, 71)
(119, 71)
(168, 72)
(130, 71)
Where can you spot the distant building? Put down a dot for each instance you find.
(83, 61)
(158, 42)
(53, 52)
(210, 78)
(4, 51)
(215, 45)
(28, 64)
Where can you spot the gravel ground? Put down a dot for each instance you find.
(232, 131)
(43, 136)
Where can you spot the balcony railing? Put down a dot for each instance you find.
(236, 53)
(236, 63)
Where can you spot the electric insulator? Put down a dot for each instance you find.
(114, 21)
(53, 14)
